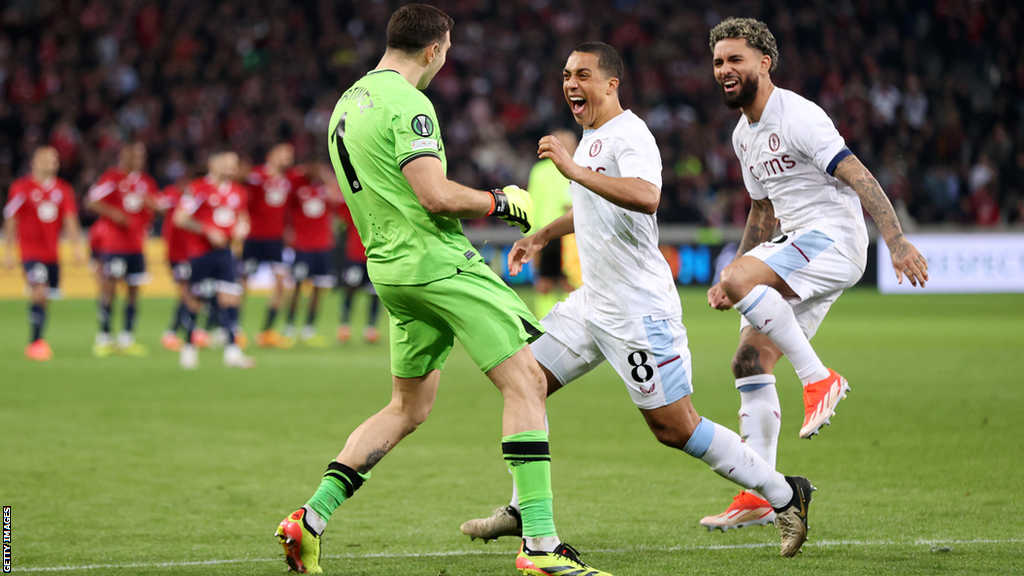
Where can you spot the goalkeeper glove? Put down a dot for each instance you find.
(513, 205)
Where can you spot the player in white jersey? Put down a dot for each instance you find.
(627, 311)
(800, 175)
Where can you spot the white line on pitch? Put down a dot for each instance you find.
(399, 555)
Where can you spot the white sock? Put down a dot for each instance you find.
(545, 543)
(314, 520)
(770, 314)
(760, 415)
(729, 457)
(515, 495)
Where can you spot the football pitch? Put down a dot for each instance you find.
(133, 466)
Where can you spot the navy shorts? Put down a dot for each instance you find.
(214, 272)
(255, 252)
(181, 270)
(354, 275)
(315, 266)
(41, 273)
(128, 267)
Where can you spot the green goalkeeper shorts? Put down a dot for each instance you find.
(474, 306)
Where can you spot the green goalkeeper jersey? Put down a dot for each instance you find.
(379, 125)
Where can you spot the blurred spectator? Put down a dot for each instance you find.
(929, 94)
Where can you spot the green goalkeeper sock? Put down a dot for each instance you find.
(338, 484)
(529, 460)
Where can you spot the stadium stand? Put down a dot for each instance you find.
(928, 93)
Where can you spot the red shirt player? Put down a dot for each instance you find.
(177, 243)
(125, 198)
(214, 209)
(38, 207)
(312, 216)
(271, 187)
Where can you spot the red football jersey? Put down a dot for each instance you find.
(311, 216)
(177, 239)
(40, 208)
(127, 193)
(268, 202)
(96, 232)
(213, 205)
(354, 250)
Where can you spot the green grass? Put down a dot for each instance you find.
(137, 467)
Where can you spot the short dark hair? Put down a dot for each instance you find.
(608, 59)
(413, 27)
(755, 32)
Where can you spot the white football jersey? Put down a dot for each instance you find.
(624, 272)
(787, 157)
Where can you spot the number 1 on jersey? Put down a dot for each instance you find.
(346, 163)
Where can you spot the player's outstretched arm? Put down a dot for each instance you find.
(906, 259)
(633, 194)
(761, 224)
(525, 249)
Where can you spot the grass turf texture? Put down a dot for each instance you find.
(131, 461)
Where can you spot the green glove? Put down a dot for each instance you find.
(513, 205)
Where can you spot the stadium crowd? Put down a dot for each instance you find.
(928, 93)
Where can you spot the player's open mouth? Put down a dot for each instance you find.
(578, 104)
(731, 85)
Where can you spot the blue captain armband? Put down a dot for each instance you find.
(831, 170)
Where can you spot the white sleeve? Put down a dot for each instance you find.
(815, 136)
(638, 157)
(190, 203)
(100, 191)
(13, 205)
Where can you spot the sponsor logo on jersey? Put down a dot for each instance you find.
(422, 125)
(313, 208)
(773, 142)
(223, 216)
(132, 203)
(595, 148)
(46, 211)
(423, 143)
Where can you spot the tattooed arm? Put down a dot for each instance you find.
(761, 223)
(906, 259)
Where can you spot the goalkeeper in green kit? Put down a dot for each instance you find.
(387, 152)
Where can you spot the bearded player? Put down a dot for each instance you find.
(627, 311)
(800, 175)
